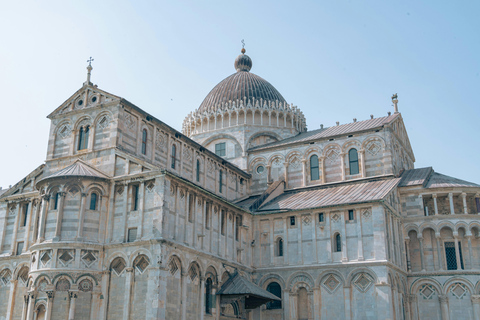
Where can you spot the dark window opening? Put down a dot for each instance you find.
(207, 216)
(83, 137)
(351, 216)
(223, 223)
(220, 181)
(198, 170)
(274, 288)
(144, 142)
(292, 220)
(132, 234)
(93, 201)
(280, 247)
(338, 243)
(314, 169)
(55, 200)
(321, 217)
(174, 151)
(208, 296)
(25, 215)
(353, 161)
(19, 248)
(135, 198)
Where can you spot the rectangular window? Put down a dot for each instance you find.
(351, 215)
(321, 217)
(450, 255)
(220, 149)
(191, 207)
(19, 248)
(292, 220)
(25, 215)
(132, 234)
(223, 223)
(237, 228)
(55, 201)
(207, 216)
(220, 181)
(135, 198)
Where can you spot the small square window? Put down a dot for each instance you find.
(292, 220)
(351, 215)
(321, 217)
(132, 234)
(220, 149)
(19, 248)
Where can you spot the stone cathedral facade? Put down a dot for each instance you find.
(243, 215)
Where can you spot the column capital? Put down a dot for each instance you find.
(450, 195)
(464, 195)
(50, 294)
(443, 299)
(129, 269)
(437, 235)
(434, 195)
(84, 194)
(475, 298)
(72, 294)
(45, 197)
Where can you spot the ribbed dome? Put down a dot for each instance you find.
(240, 85)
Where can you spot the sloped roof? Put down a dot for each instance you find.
(332, 131)
(439, 180)
(78, 169)
(414, 177)
(339, 194)
(2, 191)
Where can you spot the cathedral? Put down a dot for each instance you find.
(244, 214)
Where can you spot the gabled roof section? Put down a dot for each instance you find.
(78, 169)
(24, 185)
(332, 131)
(85, 94)
(415, 177)
(328, 196)
(439, 180)
(255, 296)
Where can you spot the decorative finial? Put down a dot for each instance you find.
(243, 62)
(395, 102)
(243, 46)
(89, 71)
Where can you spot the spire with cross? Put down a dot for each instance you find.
(89, 71)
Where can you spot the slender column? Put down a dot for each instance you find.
(184, 296)
(36, 220)
(15, 229)
(95, 305)
(450, 199)
(31, 304)
(219, 233)
(470, 251)
(269, 173)
(128, 292)
(304, 172)
(316, 303)
(272, 242)
(422, 258)
(299, 219)
(175, 208)
(362, 163)
(81, 216)
(141, 196)
(412, 299)
(457, 252)
(344, 241)
(26, 239)
(360, 237)
(285, 243)
(111, 212)
(105, 291)
(407, 250)
(48, 311)
(11, 299)
(406, 307)
(314, 237)
(439, 250)
(286, 174)
(464, 198)
(187, 215)
(476, 306)
(434, 196)
(444, 306)
(322, 165)
(201, 311)
(58, 226)
(342, 164)
(72, 295)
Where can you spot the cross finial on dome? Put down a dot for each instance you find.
(243, 46)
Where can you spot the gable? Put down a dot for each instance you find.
(27, 184)
(87, 96)
(400, 132)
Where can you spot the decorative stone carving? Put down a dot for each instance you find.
(130, 122)
(427, 291)
(307, 220)
(336, 217)
(65, 131)
(458, 290)
(62, 285)
(160, 140)
(363, 282)
(331, 283)
(85, 285)
(150, 186)
(366, 213)
(104, 122)
(332, 156)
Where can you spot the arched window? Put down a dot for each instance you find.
(274, 288)
(208, 296)
(174, 152)
(55, 200)
(220, 181)
(144, 142)
(83, 137)
(338, 243)
(280, 247)
(198, 170)
(93, 201)
(353, 161)
(314, 170)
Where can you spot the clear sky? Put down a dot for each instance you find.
(336, 60)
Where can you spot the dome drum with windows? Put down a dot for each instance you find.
(243, 99)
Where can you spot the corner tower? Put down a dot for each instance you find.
(241, 112)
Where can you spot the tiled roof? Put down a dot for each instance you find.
(332, 131)
(246, 203)
(415, 177)
(78, 168)
(238, 285)
(339, 194)
(438, 180)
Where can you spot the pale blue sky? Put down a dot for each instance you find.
(336, 60)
